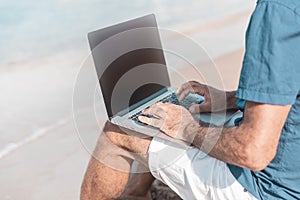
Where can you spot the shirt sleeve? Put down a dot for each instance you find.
(271, 66)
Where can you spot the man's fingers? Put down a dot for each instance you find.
(151, 121)
(190, 87)
(184, 90)
(155, 110)
(183, 94)
(183, 87)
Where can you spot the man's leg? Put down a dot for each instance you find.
(139, 185)
(109, 168)
(193, 174)
(186, 170)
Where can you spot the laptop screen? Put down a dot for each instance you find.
(130, 63)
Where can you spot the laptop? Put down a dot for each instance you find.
(132, 71)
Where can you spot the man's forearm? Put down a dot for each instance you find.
(231, 100)
(253, 144)
(224, 144)
(232, 145)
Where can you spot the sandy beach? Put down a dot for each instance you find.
(41, 154)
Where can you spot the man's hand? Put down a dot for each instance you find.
(173, 120)
(215, 100)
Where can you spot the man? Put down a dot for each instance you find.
(256, 159)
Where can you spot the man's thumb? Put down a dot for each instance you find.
(198, 108)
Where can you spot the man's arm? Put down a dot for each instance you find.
(252, 144)
(231, 100)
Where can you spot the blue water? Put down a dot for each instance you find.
(33, 28)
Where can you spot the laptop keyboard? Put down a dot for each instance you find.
(172, 98)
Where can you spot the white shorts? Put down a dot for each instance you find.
(193, 174)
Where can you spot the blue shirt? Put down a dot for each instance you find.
(271, 75)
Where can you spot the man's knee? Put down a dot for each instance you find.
(111, 155)
(127, 139)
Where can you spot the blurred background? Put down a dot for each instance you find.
(43, 45)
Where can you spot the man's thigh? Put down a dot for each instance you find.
(193, 174)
